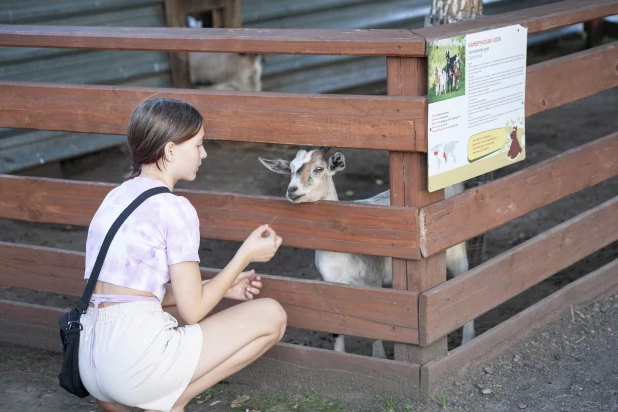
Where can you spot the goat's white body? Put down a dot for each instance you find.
(225, 71)
(442, 86)
(377, 271)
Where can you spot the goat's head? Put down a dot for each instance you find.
(311, 173)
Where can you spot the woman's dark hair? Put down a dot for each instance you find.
(156, 122)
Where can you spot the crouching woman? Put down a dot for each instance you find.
(133, 353)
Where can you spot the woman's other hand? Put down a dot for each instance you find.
(246, 286)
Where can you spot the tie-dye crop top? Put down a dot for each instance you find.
(162, 231)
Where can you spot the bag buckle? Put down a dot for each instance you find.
(72, 322)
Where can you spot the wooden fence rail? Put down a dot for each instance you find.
(336, 226)
(374, 313)
(596, 285)
(447, 223)
(586, 73)
(396, 42)
(391, 123)
(449, 306)
(364, 122)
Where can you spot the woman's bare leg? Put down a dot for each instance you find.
(233, 339)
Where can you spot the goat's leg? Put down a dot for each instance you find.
(378, 349)
(339, 343)
(468, 332)
(457, 264)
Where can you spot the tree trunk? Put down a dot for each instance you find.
(451, 11)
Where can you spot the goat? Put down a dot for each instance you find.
(450, 68)
(456, 74)
(440, 81)
(224, 71)
(312, 180)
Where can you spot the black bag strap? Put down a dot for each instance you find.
(98, 264)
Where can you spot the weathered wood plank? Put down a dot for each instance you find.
(537, 19)
(330, 373)
(30, 325)
(595, 32)
(466, 215)
(395, 123)
(597, 285)
(373, 313)
(458, 301)
(337, 226)
(365, 122)
(340, 375)
(586, 73)
(385, 42)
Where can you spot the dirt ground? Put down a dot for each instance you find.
(569, 366)
(233, 167)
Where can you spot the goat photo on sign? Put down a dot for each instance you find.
(311, 180)
(447, 66)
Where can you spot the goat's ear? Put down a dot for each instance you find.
(336, 162)
(276, 165)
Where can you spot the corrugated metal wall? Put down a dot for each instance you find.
(20, 149)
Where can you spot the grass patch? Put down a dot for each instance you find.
(445, 96)
(389, 404)
(441, 400)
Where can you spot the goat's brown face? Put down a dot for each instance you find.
(311, 174)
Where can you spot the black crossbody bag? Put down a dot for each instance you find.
(70, 327)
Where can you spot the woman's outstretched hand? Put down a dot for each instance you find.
(261, 245)
(246, 286)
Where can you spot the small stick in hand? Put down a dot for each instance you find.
(265, 234)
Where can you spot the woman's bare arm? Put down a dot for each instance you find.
(195, 299)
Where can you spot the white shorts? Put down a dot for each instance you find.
(141, 358)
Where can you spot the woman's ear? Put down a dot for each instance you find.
(170, 151)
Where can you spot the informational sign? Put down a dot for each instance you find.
(476, 104)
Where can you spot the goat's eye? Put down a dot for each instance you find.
(319, 169)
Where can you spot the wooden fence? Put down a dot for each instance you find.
(422, 308)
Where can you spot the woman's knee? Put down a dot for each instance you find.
(276, 314)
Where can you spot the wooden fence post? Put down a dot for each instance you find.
(595, 32)
(408, 181)
(224, 13)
